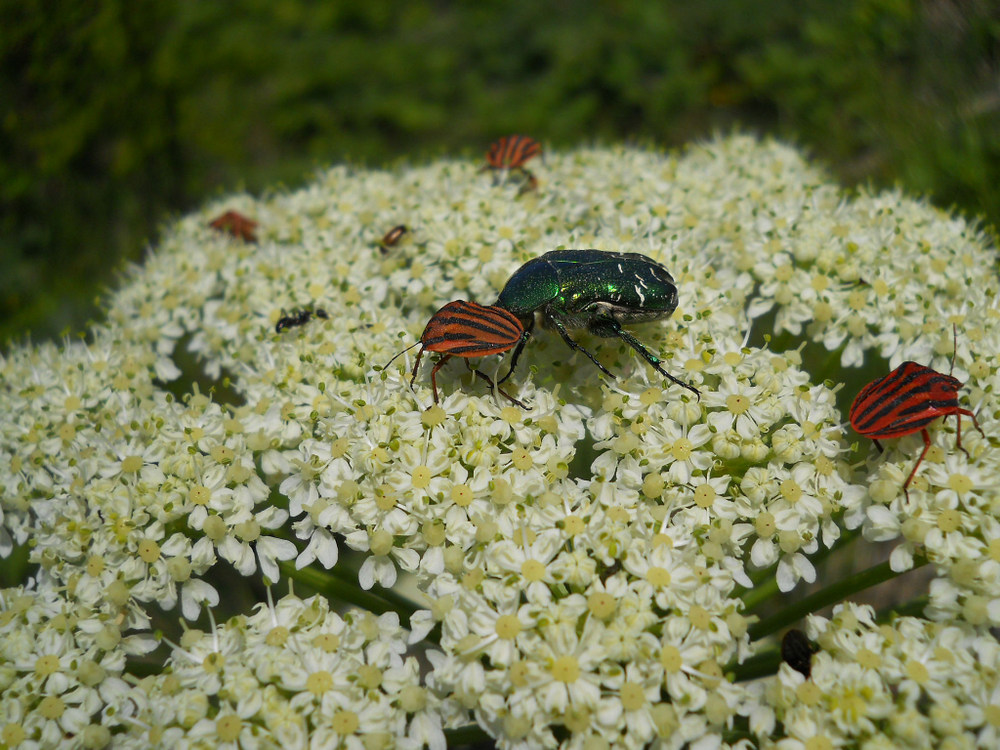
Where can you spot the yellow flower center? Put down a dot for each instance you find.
(532, 571)
(508, 627)
(737, 404)
(658, 577)
(565, 669)
(633, 697)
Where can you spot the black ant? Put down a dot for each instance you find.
(299, 319)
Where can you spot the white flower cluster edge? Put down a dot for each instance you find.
(582, 564)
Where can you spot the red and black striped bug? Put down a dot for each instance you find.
(906, 400)
(393, 236)
(512, 152)
(236, 224)
(467, 329)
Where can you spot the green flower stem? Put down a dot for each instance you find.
(912, 608)
(758, 577)
(467, 735)
(761, 576)
(762, 592)
(759, 665)
(336, 589)
(732, 736)
(830, 595)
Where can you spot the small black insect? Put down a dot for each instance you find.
(299, 319)
(797, 651)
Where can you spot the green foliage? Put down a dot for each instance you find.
(113, 119)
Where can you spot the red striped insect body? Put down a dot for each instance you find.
(467, 329)
(236, 224)
(906, 400)
(512, 152)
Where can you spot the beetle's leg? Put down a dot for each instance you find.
(878, 445)
(517, 350)
(437, 366)
(573, 345)
(493, 385)
(927, 446)
(609, 327)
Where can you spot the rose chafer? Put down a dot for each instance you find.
(597, 290)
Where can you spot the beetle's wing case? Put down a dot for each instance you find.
(531, 287)
(627, 286)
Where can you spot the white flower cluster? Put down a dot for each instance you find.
(590, 564)
(911, 683)
(62, 671)
(291, 675)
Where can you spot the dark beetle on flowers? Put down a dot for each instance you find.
(598, 290)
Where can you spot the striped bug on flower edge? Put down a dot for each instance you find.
(237, 225)
(907, 400)
(467, 329)
(512, 152)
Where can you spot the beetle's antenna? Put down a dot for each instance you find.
(396, 356)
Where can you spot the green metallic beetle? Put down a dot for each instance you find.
(593, 289)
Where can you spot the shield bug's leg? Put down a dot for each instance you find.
(609, 327)
(494, 386)
(879, 446)
(416, 365)
(958, 433)
(573, 345)
(530, 184)
(520, 346)
(434, 371)
(927, 446)
(506, 395)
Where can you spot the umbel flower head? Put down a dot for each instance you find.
(598, 569)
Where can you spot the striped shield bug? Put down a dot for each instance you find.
(593, 289)
(392, 237)
(906, 400)
(236, 224)
(467, 329)
(512, 152)
(299, 319)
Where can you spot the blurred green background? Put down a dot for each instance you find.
(114, 119)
